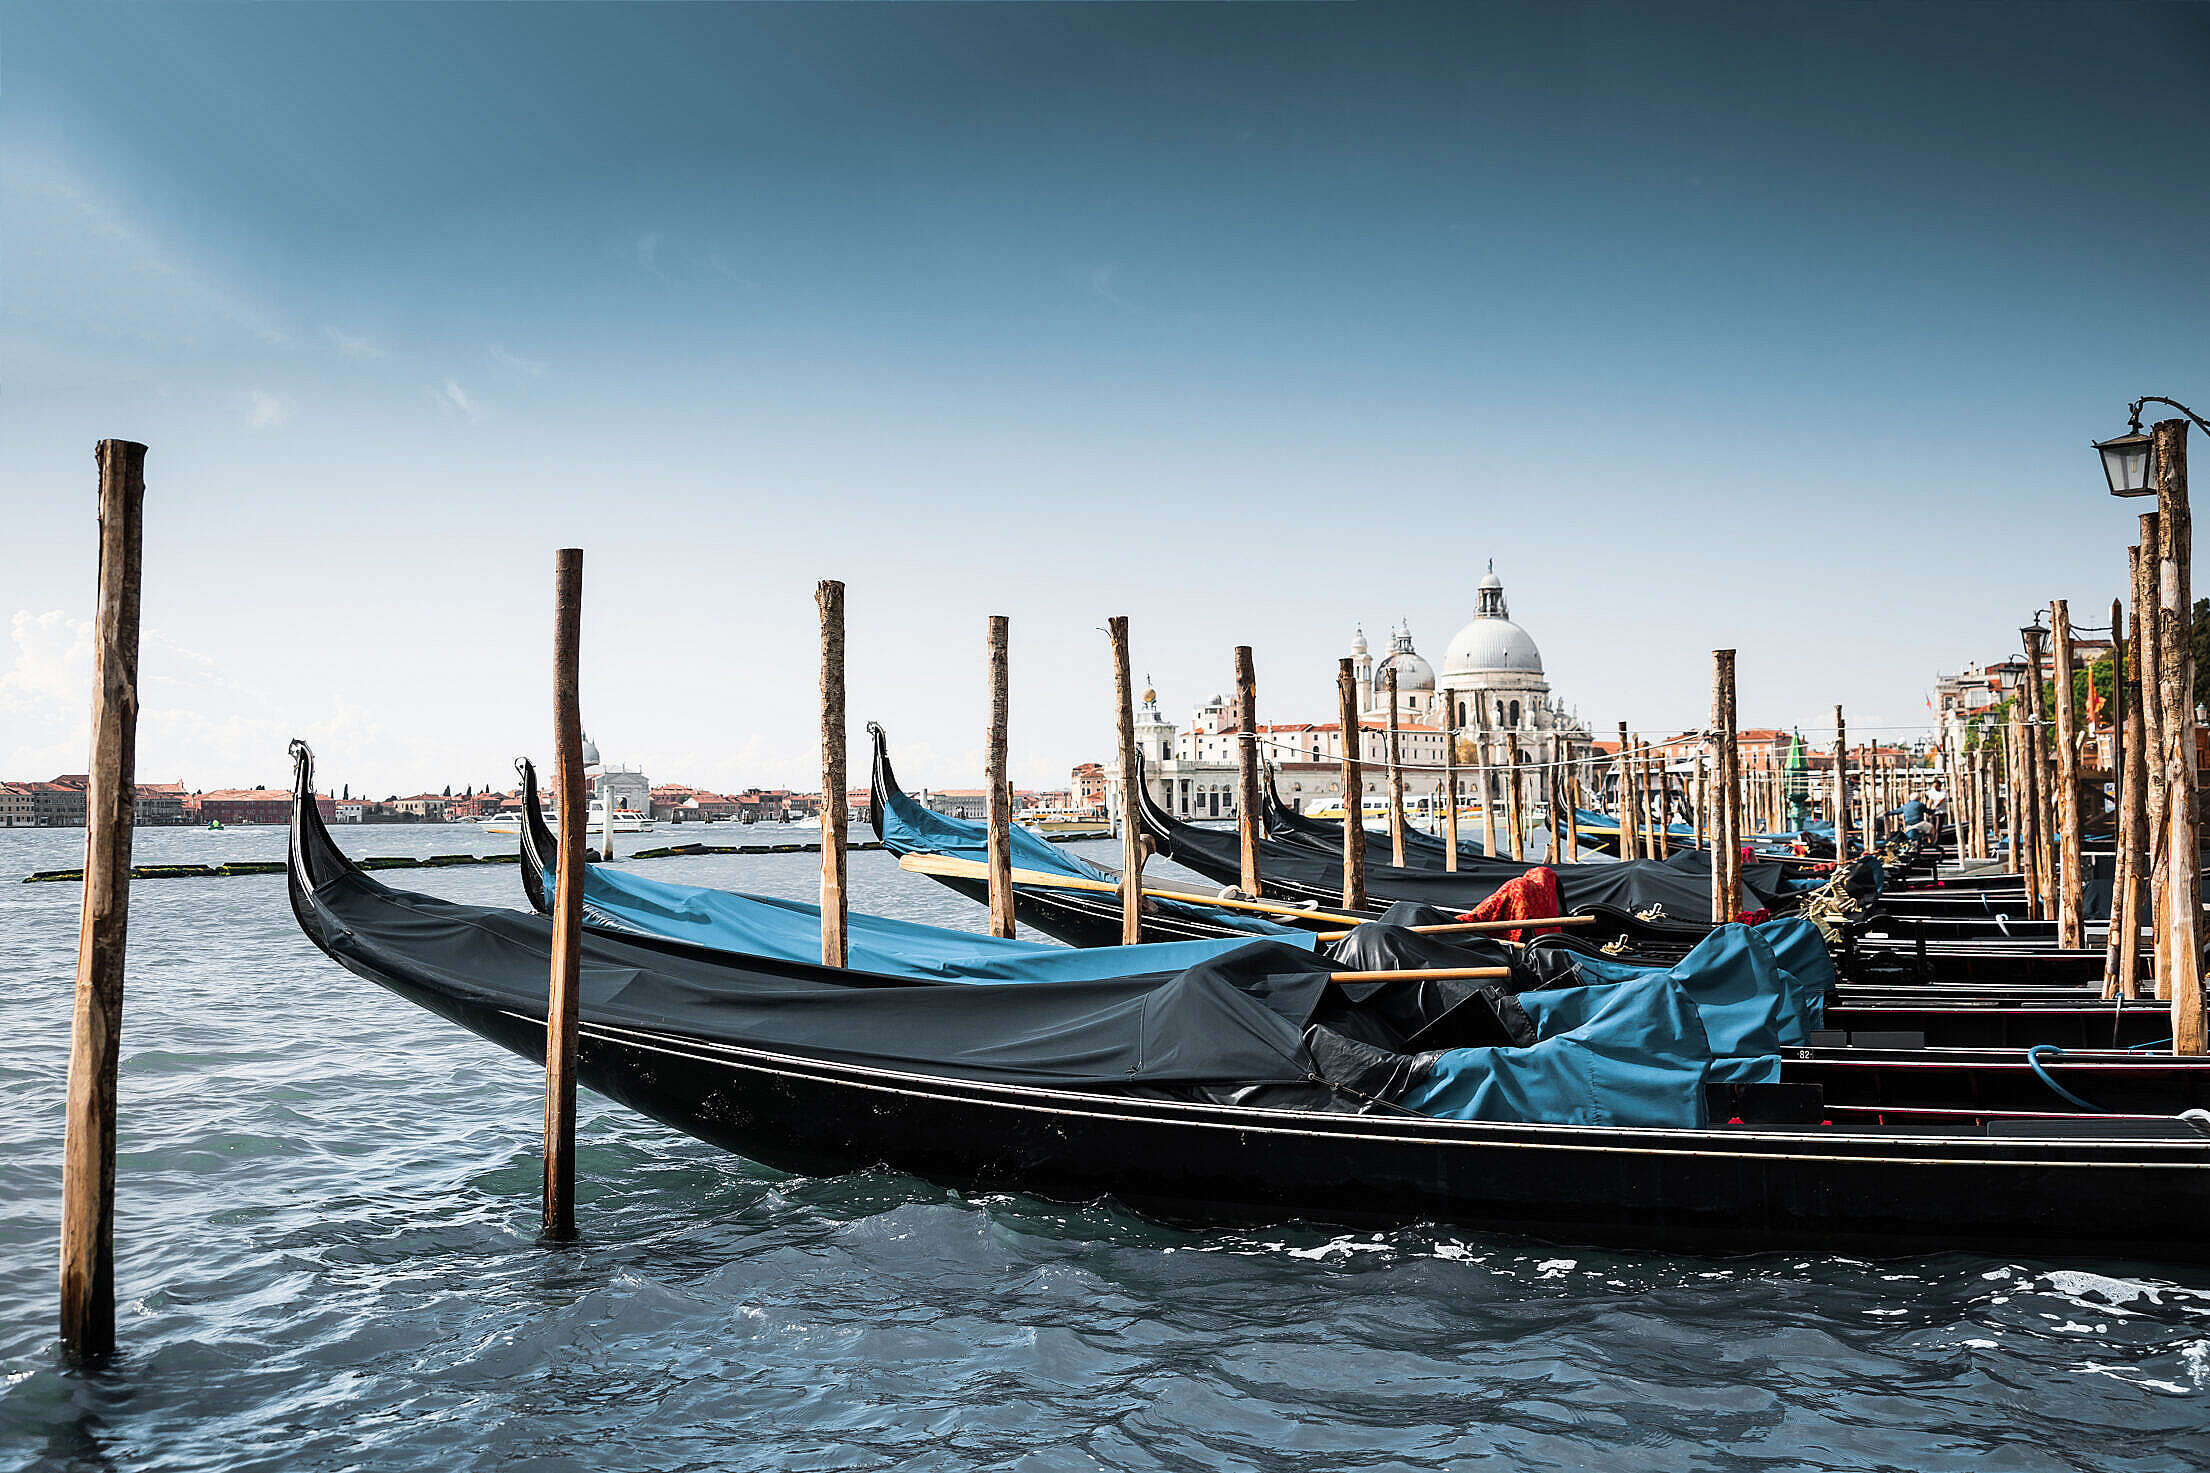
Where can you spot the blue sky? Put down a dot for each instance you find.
(1776, 328)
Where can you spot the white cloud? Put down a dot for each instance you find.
(350, 346)
(453, 397)
(265, 411)
(52, 667)
(519, 364)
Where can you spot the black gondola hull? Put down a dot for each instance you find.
(1726, 1191)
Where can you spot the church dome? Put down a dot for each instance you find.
(1413, 671)
(1492, 642)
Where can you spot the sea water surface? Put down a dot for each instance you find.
(327, 1202)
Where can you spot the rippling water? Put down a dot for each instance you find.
(327, 1202)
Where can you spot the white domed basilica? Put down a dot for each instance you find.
(1491, 683)
(1491, 688)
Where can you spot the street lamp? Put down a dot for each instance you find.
(2129, 460)
(2126, 463)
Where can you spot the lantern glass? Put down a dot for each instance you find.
(2126, 465)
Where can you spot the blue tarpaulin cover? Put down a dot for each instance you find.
(762, 925)
(1636, 1045)
(908, 827)
(1752, 1003)
(1630, 1053)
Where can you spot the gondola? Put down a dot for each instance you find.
(829, 1076)
(1093, 918)
(1326, 835)
(1922, 1016)
(2003, 1011)
(1677, 889)
(1077, 917)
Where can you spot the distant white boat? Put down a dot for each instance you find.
(625, 821)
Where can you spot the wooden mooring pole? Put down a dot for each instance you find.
(828, 598)
(2040, 753)
(1246, 750)
(1726, 857)
(2121, 953)
(1572, 774)
(1131, 826)
(2175, 680)
(1354, 791)
(2147, 648)
(1450, 782)
(1698, 800)
(1519, 825)
(2071, 932)
(1396, 776)
(96, 1016)
(2040, 902)
(998, 796)
(1488, 797)
(567, 921)
(1630, 826)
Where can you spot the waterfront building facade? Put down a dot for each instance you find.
(1491, 681)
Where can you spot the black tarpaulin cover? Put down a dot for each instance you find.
(1237, 1019)
(1681, 885)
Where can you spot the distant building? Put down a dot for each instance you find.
(241, 805)
(18, 806)
(957, 802)
(422, 807)
(624, 789)
(1089, 787)
(158, 805)
(60, 803)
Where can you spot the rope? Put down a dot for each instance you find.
(2033, 1061)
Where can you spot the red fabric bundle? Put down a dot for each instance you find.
(1533, 894)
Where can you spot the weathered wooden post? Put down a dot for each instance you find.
(1354, 791)
(1572, 771)
(2175, 669)
(2148, 656)
(1488, 805)
(828, 599)
(1519, 824)
(997, 800)
(96, 1015)
(1396, 777)
(1131, 826)
(2038, 898)
(559, 1224)
(1696, 800)
(2020, 809)
(2070, 932)
(1664, 786)
(1726, 859)
(1630, 827)
(2121, 952)
(1247, 793)
(1841, 788)
(1450, 782)
(2041, 750)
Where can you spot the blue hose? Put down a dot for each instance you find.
(2033, 1062)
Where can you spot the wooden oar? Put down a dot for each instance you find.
(1481, 926)
(968, 869)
